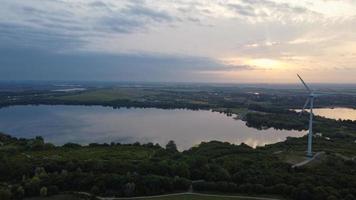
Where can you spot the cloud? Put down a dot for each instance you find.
(98, 4)
(147, 13)
(173, 37)
(44, 65)
(262, 10)
(261, 44)
(16, 35)
(62, 22)
(131, 18)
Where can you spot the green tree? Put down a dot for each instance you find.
(171, 146)
(32, 186)
(332, 197)
(129, 189)
(182, 170)
(95, 190)
(18, 192)
(349, 197)
(53, 190)
(43, 191)
(5, 194)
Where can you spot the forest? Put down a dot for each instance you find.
(31, 167)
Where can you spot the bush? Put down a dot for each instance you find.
(18, 192)
(95, 190)
(181, 183)
(43, 192)
(5, 194)
(71, 145)
(52, 190)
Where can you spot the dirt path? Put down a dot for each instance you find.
(317, 155)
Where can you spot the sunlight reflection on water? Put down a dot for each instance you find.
(335, 113)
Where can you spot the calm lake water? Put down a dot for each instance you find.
(86, 124)
(335, 113)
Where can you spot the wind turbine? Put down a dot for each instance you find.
(310, 100)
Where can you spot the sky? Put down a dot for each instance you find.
(235, 41)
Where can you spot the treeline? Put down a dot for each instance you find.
(276, 120)
(34, 168)
(270, 109)
(301, 192)
(114, 104)
(105, 184)
(293, 121)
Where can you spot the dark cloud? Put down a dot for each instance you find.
(119, 24)
(63, 28)
(132, 18)
(245, 10)
(30, 64)
(147, 13)
(249, 8)
(98, 4)
(15, 35)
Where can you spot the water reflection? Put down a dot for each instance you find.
(84, 124)
(335, 113)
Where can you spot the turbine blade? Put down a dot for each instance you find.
(305, 85)
(305, 105)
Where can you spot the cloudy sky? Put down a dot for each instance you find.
(266, 41)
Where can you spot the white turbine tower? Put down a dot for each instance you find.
(310, 100)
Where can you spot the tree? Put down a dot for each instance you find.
(71, 145)
(32, 186)
(349, 197)
(43, 191)
(52, 190)
(18, 192)
(182, 184)
(171, 146)
(129, 189)
(182, 170)
(37, 143)
(332, 197)
(95, 190)
(5, 194)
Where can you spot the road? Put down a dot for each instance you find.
(308, 160)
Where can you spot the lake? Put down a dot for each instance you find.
(87, 124)
(335, 113)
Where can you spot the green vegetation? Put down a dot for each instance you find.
(197, 197)
(94, 151)
(107, 95)
(173, 197)
(61, 197)
(33, 168)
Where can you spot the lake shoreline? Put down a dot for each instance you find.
(85, 125)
